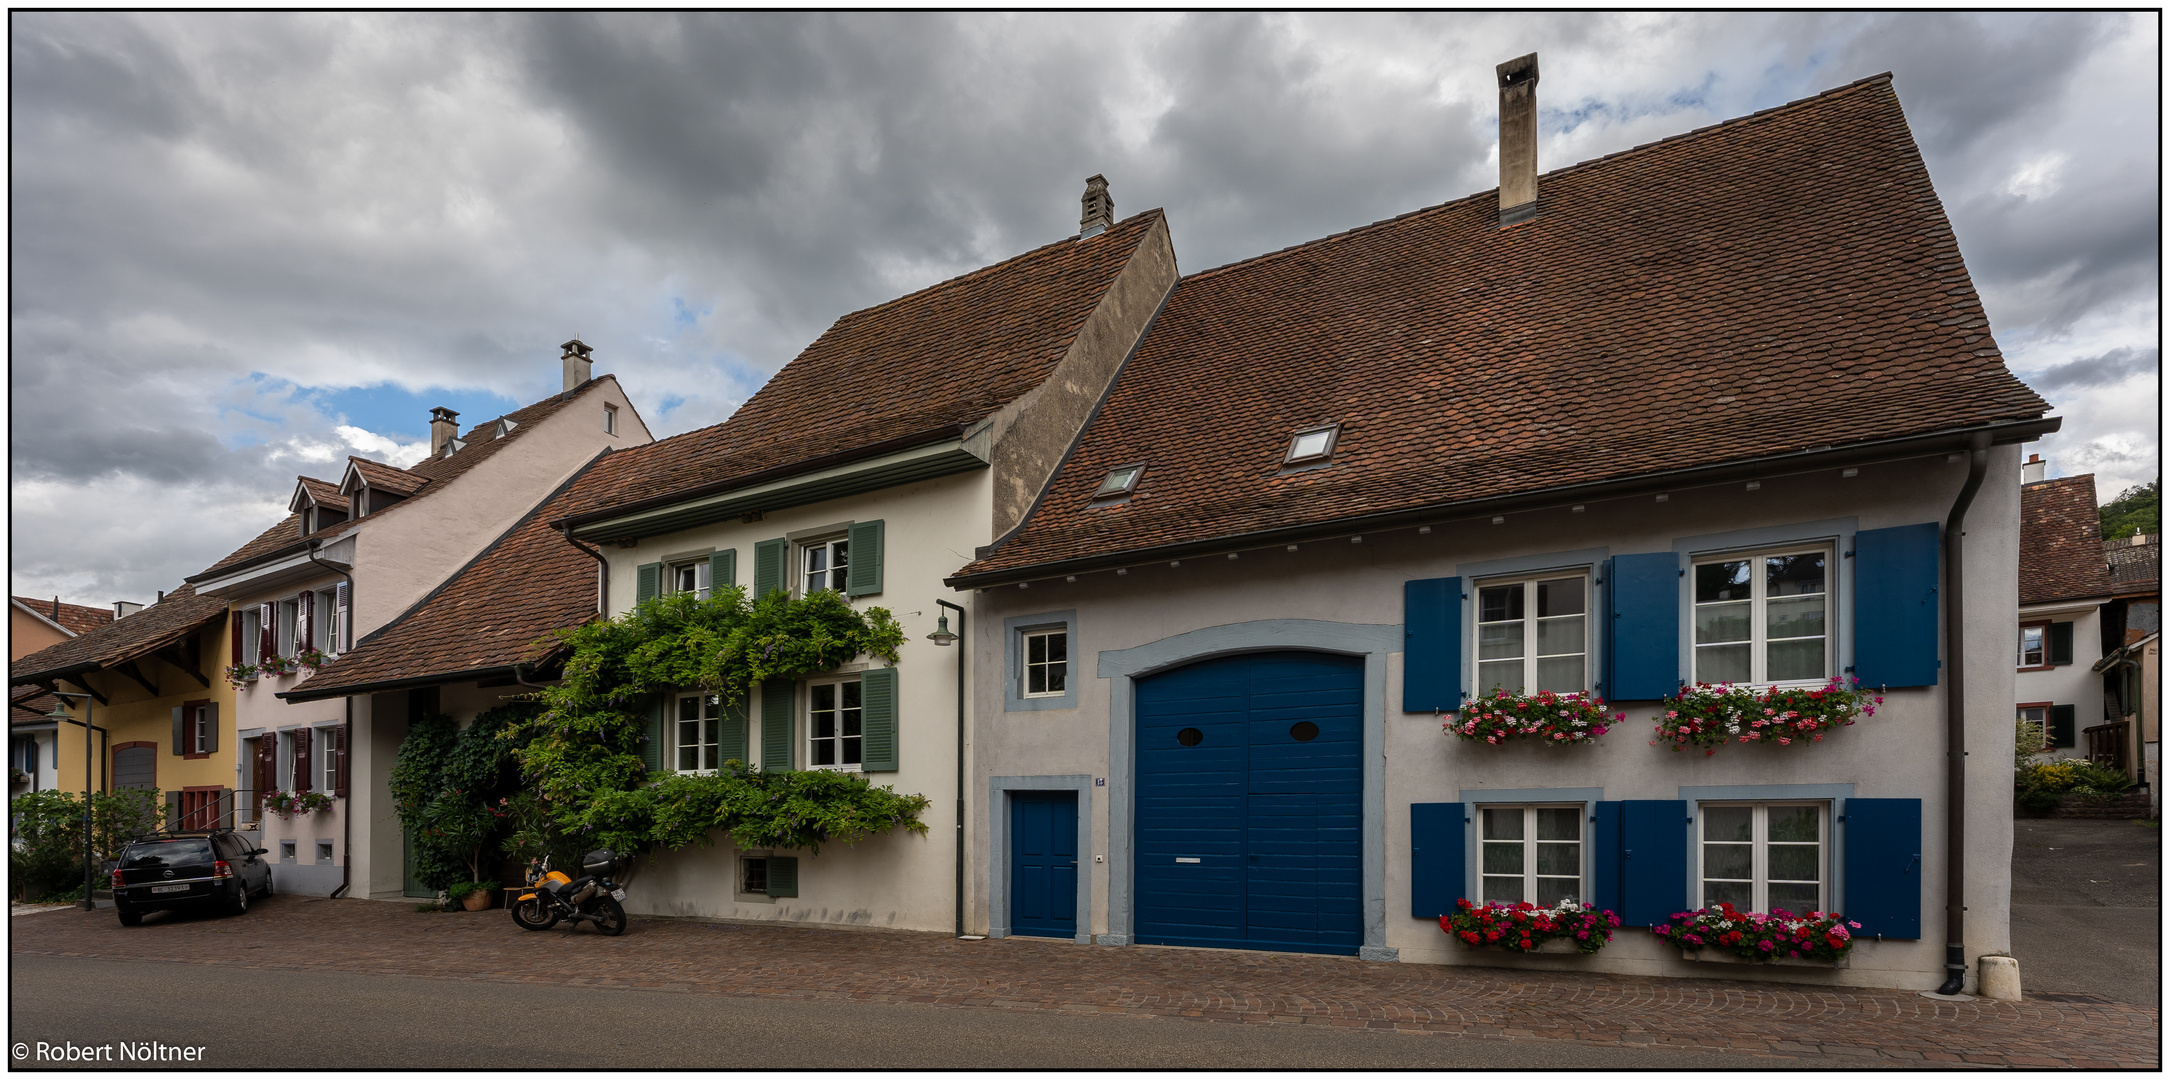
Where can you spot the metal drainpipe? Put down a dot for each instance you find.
(963, 643)
(1955, 722)
(602, 589)
(346, 734)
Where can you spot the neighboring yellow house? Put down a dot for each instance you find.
(35, 624)
(161, 715)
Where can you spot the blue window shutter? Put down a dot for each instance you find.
(777, 742)
(863, 573)
(1883, 866)
(1642, 627)
(1431, 670)
(878, 720)
(723, 569)
(651, 749)
(1895, 605)
(1605, 834)
(769, 557)
(1438, 863)
(1653, 860)
(647, 582)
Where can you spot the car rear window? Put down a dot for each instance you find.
(168, 853)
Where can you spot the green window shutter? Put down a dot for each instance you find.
(723, 569)
(878, 720)
(2060, 643)
(864, 573)
(783, 875)
(211, 728)
(180, 729)
(768, 566)
(651, 748)
(647, 582)
(731, 734)
(776, 733)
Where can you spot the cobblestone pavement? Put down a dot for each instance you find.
(1836, 1027)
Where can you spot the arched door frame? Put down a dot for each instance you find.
(1371, 641)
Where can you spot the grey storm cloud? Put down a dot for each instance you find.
(220, 218)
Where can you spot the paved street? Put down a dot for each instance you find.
(2087, 908)
(968, 999)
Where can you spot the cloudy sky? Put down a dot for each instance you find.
(245, 246)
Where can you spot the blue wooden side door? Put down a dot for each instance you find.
(1043, 863)
(1250, 804)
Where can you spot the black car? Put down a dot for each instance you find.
(185, 871)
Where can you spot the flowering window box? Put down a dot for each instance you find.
(1721, 956)
(1726, 935)
(1567, 927)
(1542, 717)
(1709, 717)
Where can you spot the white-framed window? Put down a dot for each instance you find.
(610, 419)
(288, 614)
(688, 577)
(1047, 663)
(1761, 856)
(252, 635)
(198, 730)
(324, 852)
(693, 734)
(824, 564)
(1531, 853)
(2034, 645)
(833, 718)
(1763, 617)
(325, 634)
(1533, 634)
(324, 759)
(282, 763)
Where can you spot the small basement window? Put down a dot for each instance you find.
(1311, 446)
(324, 852)
(1121, 480)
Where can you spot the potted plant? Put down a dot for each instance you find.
(473, 895)
(1726, 935)
(241, 675)
(1712, 716)
(310, 660)
(1546, 717)
(1566, 927)
(279, 665)
(288, 804)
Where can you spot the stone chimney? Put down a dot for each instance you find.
(444, 426)
(1518, 139)
(124, 608)
(577, 364)
(1099, 208)
(2031, 471)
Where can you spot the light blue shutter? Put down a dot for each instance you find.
(1642, 627)
(863, 574)
(1438, 859)
(1431, 671)
(647, 582)
(878, 720)
(723, 569)
(1895, 605)
(1883, 866)
(768, 566)
(1653, 860)
(777, 742)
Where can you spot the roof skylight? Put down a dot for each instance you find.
(1121, 480)
(1311, 446)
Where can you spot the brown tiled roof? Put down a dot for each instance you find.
(30, 705)
(325, 492)
(422, 479)
(500, 609)
(2060, 541)
(74, 618)
(2134, 568)
(1778, 283)
(180, 614)
(925, 364)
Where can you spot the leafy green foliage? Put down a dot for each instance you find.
(47, 857)
(2136, 510)
(451, 788)
(583, 754)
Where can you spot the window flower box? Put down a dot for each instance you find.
(1568, 927)
(311, 660)
(1724, 934)
(1711, 716)
(280, 665)
(288, 804)
(1544, 717)
(241, 675)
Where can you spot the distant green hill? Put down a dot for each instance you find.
(2136, 510)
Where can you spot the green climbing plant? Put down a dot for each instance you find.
(450, 788)
(582, 753)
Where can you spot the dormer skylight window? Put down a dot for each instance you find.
(504, 428)
(453, 447)
(1312, 447)
(1121, 481)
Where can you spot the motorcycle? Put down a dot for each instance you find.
(552, 896)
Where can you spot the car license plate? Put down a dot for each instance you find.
(617, 894)
(169, 888)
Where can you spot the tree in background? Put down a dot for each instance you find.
(2135, 511)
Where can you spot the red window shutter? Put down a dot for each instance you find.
(267, 633)
(240, 646)
(267, 764)
(305, 623)
(339, 735)
(301, 759)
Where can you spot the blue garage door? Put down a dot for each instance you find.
(1250, 803)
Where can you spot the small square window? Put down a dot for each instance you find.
(286, 851)
(689, 577)
(324, 852)
(1120, 481)
(1047, 663)
(827, 564)
(754, 876)
(1310, 446)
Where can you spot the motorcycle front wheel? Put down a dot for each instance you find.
(534, 913)
(609, 917)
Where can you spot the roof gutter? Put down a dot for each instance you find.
(1765, 468)
(387, 685)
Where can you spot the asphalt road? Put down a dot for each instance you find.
(2087, 908)
(355, 1021)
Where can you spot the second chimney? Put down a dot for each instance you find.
(1099, 208)
(2032, 471)
(444, 426)
(577, 365)
(1518, 139)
